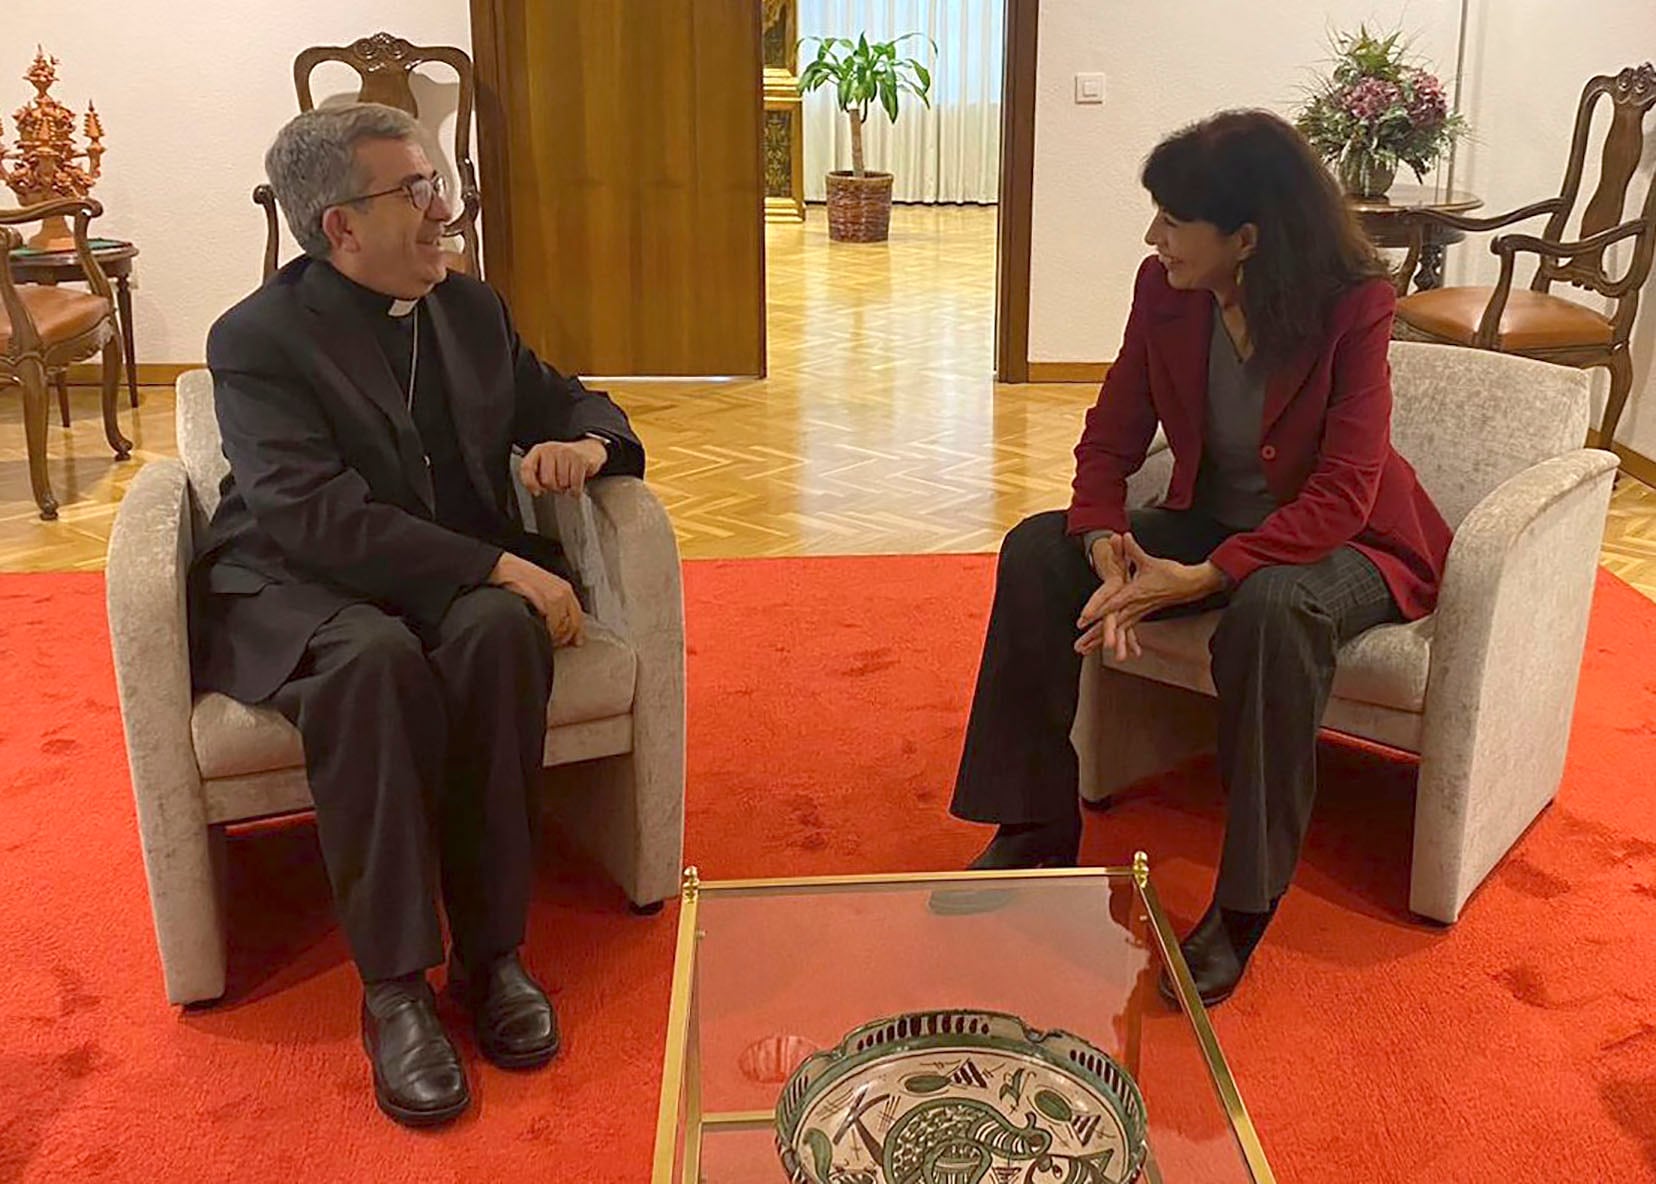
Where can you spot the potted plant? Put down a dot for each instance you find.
(1378, 107)
(862, 74)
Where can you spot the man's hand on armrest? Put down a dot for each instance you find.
(549, 595)
(559, 466)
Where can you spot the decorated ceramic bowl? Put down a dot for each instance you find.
(960, 1097)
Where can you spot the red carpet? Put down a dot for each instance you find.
(827, 698)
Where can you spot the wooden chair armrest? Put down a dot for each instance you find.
(84, 209)
(49, 209)
(1507, 246)
(25, 339)
(1495, 222)
(265, 198)
(471, 204)
(1508, 243)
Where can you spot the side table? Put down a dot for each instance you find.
(1385, 221)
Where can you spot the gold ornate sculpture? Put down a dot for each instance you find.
(784, 114)
(46, 154)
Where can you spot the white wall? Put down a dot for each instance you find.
(1166, 64)
(190, 93)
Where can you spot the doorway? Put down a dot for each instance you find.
(947, 292)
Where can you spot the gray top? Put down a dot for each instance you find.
(1230, 485)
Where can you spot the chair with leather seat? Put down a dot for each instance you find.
(45, 328)
(386, 66)
(1535, 322)
(200, 763)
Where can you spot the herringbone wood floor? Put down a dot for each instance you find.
(878, 429)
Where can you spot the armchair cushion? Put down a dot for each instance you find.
(591, 682)
(1384, 667)
(1531, 320)
(58, 313)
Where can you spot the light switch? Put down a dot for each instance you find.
(1089, 88)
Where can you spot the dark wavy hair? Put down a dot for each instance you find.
(1252, 166)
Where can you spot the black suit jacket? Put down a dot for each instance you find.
(329, 499)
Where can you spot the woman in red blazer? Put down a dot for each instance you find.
(1258, 340)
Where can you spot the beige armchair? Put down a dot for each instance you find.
(1484, 689)
(615, 725)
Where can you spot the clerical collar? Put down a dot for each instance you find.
(371, 302)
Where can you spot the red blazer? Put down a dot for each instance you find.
(1325, 444)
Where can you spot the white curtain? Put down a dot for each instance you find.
(950, 153)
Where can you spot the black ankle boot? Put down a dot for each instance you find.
(1217, 952)
(1030, 845)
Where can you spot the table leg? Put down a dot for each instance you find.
(1430, 273)
(123, 298)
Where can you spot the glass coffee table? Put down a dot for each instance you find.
(769, 971)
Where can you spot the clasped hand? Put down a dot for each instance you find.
(1133, 585)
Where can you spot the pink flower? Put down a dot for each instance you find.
(1428, 107)
(1370, 97)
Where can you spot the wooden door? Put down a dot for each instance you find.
(623, 180)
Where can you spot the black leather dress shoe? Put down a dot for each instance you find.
(1217, 952)
(516, 1026)
(418, 1079)
(1047, 844)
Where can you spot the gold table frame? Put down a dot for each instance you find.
(681, 1065)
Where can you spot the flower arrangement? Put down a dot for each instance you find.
(1377, 108)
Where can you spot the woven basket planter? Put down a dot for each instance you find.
(859, 208)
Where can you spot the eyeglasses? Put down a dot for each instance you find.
(420, 192)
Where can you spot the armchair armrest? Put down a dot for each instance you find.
(621, 543)
(1417, 220)
(149, 557)
(1493, 222)
(1509, 631)
(1507, 246)
(265, 198)
(84, 209)
(624, 550)
(471, 203)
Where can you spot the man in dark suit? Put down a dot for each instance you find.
(365, 575)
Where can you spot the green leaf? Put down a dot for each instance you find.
(1053, 1105)
(925, 1083)
(822, 1153)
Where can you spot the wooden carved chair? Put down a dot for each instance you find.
(1536, 323)
(45, 328)
(385, 64)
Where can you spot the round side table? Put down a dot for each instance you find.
(1383, 220)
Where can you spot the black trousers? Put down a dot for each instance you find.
(422, 753)
(1272, 661)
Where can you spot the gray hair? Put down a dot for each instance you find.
(312, 163)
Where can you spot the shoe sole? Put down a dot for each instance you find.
(397, 1112)
(501, 1059)
(1165, 990)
